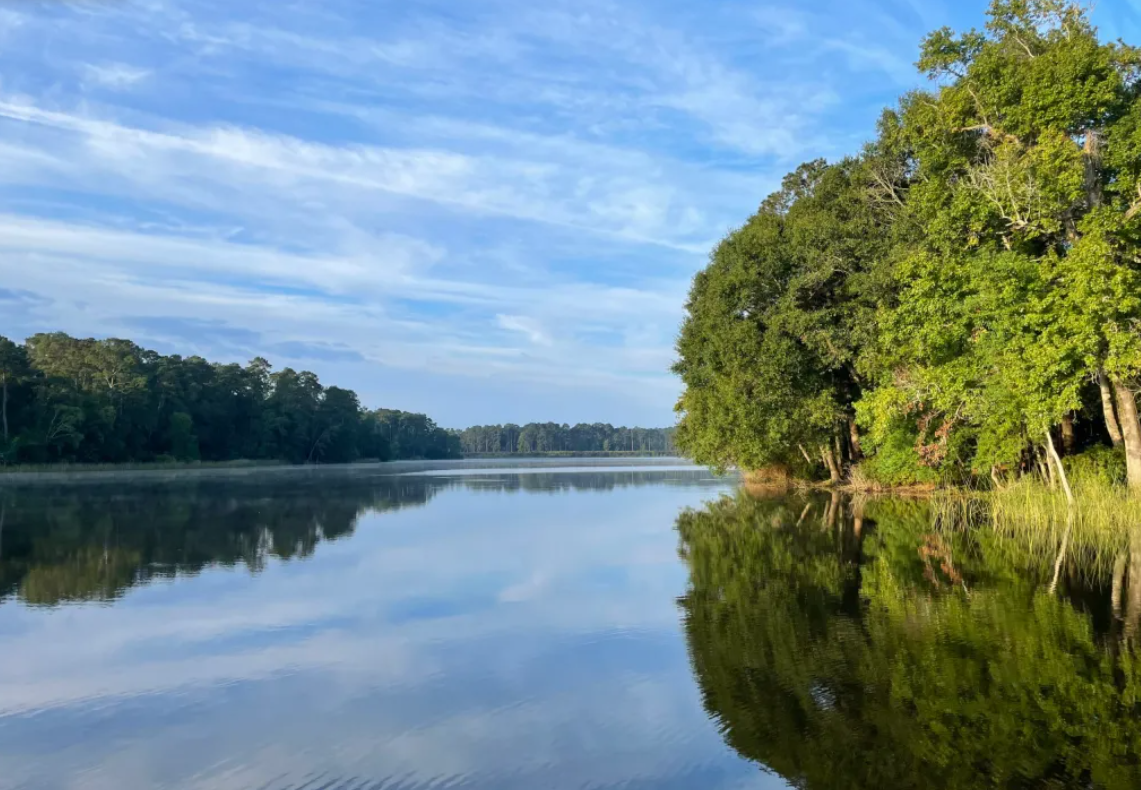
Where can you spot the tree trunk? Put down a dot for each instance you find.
(1061, 469)
(1130, 434)
(1069, 438)
(998, 486)
(1046, 469)
(854, 438)
(804, 514)
(830, 464)
(4, 409)
(1108, 409)
(804, 452)
(1093, 175)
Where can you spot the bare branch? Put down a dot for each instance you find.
(1029, 51)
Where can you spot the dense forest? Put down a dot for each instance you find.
(108, 401)
(552, 438)
(961, 299)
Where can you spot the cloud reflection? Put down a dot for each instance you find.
(489, 639)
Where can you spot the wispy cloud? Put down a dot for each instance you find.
(527, 326)
(491, 193)
(117, 76)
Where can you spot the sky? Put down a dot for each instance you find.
(487, 211)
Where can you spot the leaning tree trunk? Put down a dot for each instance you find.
(1130, 434)
(854, 438)
(1061, 470)
(1118, 586)
(830, 463)
(1108, 409)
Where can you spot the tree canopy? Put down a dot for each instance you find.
(87, 400)
(951, 297)
(550, 437)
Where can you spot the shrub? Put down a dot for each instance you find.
(893, 462)
(1097, 466)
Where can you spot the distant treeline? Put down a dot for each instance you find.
(111, 401)
(552, 437)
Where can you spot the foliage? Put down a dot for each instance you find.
(70, 400)
(552, 437)
(895, 461)
(776, 322)
(1104, 466)
(972, 275)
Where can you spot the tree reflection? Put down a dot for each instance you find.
(848, 645)
(77, 544)
(94, 543)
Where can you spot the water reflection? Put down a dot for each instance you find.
(487, 639)
(847, 644)
(69, 544)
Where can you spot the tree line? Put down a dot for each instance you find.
(65, 399)
(552, 437)
(960, 299)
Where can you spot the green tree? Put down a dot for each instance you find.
(13, 374)
(1024, 288)
(777, 324)
(88, 400)
(183, 441)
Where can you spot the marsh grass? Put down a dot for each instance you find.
(1040, 523)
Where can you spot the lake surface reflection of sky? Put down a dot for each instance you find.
(493, 630)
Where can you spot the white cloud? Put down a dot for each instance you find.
(116, 76)
(506, 192)
(527, 326)
(611, 204)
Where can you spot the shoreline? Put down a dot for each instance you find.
(254, 470)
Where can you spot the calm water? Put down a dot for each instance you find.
(603, 627)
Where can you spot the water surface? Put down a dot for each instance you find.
(557, 626)
(514, 629)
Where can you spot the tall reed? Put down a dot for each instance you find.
(1091, 533)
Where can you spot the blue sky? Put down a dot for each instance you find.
(488, 211)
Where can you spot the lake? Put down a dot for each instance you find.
(549, 626)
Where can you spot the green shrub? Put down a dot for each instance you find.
(894, 461)
(1099, 465)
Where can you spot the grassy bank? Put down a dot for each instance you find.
(1093, 534)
